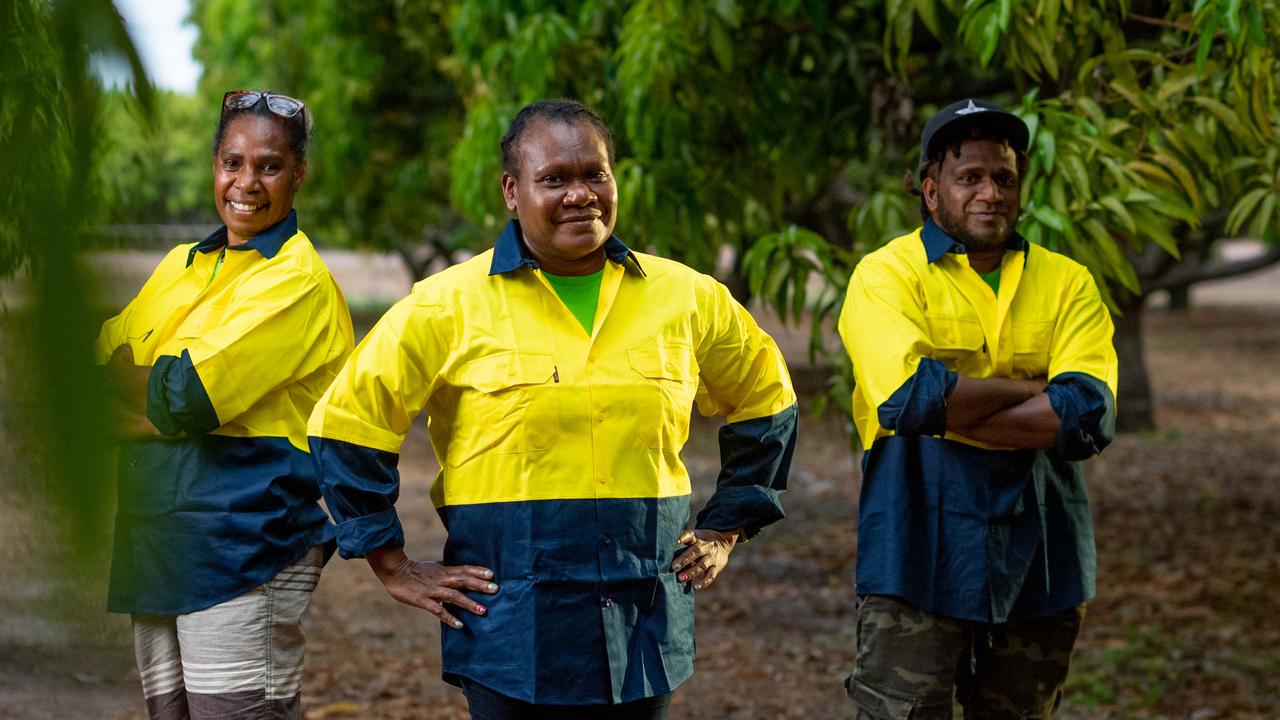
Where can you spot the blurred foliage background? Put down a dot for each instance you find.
(765, 141)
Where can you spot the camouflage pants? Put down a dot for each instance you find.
(912, 663)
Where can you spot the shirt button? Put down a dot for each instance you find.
(600, 416)
(602, 479)
(606, 540)
(608, 602)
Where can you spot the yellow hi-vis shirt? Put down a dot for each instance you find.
(229, 497)
(560, 458)
(906, 303)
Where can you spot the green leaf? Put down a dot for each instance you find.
(1222, 113)
(1181, 172)
(1206, 43)
(1111, 255)
(1244, 208)
(1119, 211)
(1231, 19)
(1263, 220)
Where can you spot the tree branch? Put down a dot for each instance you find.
(1180, 275)
(1158, 22)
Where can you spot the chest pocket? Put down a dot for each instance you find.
(200, 319)
(959, 344)
(665, 383)
(1031, 341)
(507, 403)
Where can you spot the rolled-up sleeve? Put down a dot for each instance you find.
(282, 332)
(356, 430)
(361, 486)
(743, 376)
(883, 331)
(176, 399)
(1082, 374)
(918, 406)
(1086, 412)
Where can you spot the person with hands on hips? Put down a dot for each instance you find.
(217, 363)
(984, 374)
(558, 371)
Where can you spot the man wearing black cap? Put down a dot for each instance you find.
(984, 374)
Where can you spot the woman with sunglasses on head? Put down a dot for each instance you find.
(218, 361)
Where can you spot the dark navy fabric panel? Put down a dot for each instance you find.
(1086, 410)
(588, 610)
(360, 487)
(937, 242)
(755, 459)
(983, 535)
(176, 399)
(919, 405)
(509, 252)
(267, 243)
(204, 519)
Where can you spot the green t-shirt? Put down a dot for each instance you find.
(579, 293)
(993, 279)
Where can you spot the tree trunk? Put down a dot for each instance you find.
(1135, 410)
(1180, 298)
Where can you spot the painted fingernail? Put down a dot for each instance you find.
(684, 578)
(457, 623)
(697, 586)
(491, 587)
(676, 566)
(480, 609)
(488, 573)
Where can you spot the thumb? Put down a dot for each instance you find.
(687, 537)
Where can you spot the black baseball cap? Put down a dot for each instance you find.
(972, 111)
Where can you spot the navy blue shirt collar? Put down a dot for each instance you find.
(267, 243)
(509, 252)
(937, 243)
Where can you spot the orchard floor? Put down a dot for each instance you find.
(1186, 623)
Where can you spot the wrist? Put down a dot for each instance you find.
(385, 561)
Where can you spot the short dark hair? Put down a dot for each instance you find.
(297, 127)
(562, 110)
(951, 143)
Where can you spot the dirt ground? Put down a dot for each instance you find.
(1185, 624)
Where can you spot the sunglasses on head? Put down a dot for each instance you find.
(281, 105)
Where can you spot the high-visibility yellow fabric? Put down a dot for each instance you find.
(266, 335)
(526, 406)
(901, 308)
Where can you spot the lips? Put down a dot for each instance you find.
(245, 208)
(578, 219)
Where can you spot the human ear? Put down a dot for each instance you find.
(509, 192)
(929, 190)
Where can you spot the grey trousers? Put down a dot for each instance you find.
(236, 660)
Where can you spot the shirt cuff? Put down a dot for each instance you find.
(919, 406)
(1086, 413)
(362, 535)
(360, 486)
(755, 460)
(176, 399)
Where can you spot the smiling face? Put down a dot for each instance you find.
(564, 196)
(255, 175)
(975, 195)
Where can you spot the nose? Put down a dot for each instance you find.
(988, 191)
(246, 179)
(579, 193)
